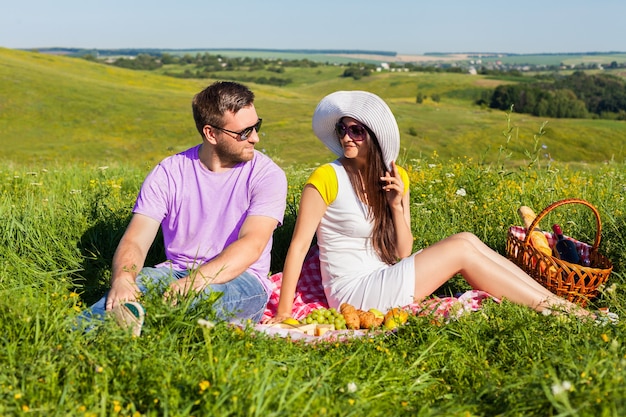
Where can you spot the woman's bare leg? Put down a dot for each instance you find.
(504, 262)
(484, 269)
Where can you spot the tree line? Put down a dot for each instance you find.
(578, 95)
(205, 65)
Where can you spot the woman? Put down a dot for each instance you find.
(358, 206)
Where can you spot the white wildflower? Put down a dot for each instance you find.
(352, 387)
(611, 289)
(558, 389)
(461, 192)
(206, 323)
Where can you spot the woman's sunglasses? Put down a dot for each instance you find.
(357, 133)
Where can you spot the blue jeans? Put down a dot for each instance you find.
(242, 298)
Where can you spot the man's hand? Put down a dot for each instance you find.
(182, 287)
(120, 292)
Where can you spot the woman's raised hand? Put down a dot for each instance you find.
(393, 186)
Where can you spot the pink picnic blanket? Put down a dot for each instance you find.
(310, 295)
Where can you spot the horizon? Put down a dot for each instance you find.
(323, 51)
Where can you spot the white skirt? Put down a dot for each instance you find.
(382, 289)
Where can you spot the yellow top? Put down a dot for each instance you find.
(324, 179)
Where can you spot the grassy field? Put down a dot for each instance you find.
(91, 113)
(78, 139)
(61, 227)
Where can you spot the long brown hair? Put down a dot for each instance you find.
(384, 234)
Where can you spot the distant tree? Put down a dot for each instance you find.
(356, 72)
(503, 97)
(89, 57)
(187, 59)
(140, 62)
(485, 97)
(545, 99)
(276, 69)
(564, 104)
(167, 59)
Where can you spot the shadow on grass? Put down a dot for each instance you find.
(97, 246)
(282, 238)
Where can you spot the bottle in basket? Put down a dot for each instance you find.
(564, 249)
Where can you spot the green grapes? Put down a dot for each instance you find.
(325, 316)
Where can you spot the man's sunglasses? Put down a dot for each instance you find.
(244, 134)
(355, 132)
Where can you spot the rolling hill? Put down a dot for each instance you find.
(57, 110)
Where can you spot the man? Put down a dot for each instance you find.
(217, 204)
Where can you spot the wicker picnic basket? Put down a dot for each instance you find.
(577, 283)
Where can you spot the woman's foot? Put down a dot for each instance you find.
(565, 307)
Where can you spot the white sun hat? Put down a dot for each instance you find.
(365, 107)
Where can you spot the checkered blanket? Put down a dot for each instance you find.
(584, 249)
(310, 295)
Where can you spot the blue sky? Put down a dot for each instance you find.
(406, 27)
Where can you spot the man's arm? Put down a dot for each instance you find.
(129, 258)
(235, 259)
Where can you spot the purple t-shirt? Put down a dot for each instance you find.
(201, 212)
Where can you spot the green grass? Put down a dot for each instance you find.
(78, 139)
(62, 226)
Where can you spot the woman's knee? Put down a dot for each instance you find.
(465, 246)
(465, 240)
(467, 236)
